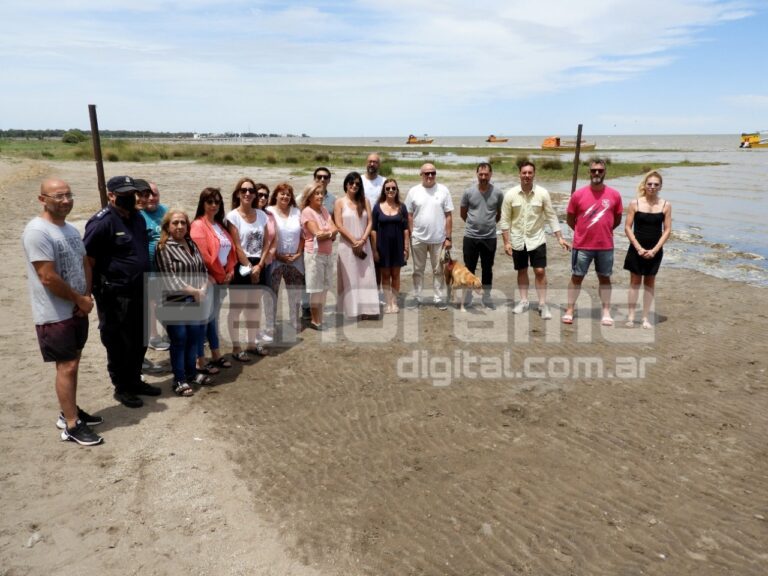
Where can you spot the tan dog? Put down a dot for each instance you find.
(458, 276)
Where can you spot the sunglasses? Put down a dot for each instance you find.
(597, 170)
(390, 189)
(247, 190)
(323, 177)
(652, 185)
(432, 173)
(262, 195)
(213, 201)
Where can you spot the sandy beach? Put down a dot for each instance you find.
(428, 443)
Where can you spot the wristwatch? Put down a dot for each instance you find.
(448, 238)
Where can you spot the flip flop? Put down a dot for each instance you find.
(647, 325)
(567, 319)
(241, 356)
(607, 321)
(209, 369)
(630, 324)
(222, 362)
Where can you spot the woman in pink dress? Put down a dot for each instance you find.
(356, 277)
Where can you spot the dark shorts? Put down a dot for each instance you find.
(537, 257)
(63, 341)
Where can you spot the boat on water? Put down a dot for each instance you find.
(555, 143)
(414, 140)
(754, 139)
(493, 138)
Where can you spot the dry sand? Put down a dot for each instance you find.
(321, 459)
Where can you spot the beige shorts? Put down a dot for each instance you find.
(318, 272)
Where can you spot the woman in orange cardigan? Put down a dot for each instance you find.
(210, 234)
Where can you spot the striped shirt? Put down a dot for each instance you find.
(180, 268)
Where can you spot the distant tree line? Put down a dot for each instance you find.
(60, 133)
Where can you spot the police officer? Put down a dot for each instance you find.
(117, 246)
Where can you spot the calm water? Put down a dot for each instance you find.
(718, 211)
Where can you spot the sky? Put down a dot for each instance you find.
(386, 67)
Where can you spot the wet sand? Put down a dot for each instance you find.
(324, 458)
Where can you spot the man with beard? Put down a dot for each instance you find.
(118, 249)
(372, 184)
(372, 180)
(593, 213)
(60, 292)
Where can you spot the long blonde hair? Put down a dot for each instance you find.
(641, 186)
(166, 224)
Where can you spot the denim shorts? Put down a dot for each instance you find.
(581, 259)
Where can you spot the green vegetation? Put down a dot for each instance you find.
(304, 158)
(74, 136)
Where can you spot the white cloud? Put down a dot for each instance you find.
(272, 62)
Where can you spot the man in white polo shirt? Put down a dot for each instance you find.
(430, 222)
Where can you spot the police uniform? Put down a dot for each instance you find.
(120, 248)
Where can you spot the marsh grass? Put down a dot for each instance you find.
(303, 157)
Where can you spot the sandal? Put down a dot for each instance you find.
(209, 369)
(241, 356)
(567, 319)
(647, 325)
(259, 349)
(203, 380)
(183, 389)
(222, 362)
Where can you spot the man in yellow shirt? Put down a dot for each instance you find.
(524, 212)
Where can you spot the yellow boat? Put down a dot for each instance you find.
(754, 140)
(493, 138)
(413, 140)
(557, 144)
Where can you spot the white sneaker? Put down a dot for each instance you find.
(265, 337)
(521, 307)
(545, 312)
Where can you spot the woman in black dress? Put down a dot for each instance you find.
(648, 226)
(389, 238)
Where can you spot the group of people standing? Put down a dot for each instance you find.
(271, 238)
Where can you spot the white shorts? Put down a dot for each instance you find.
(318, 272)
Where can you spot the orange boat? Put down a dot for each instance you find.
(558, 144)
(413, 140)
(493, 138)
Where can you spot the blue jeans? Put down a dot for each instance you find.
(184, 340)
(211, 330)
(581, 259)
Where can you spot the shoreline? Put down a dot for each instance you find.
(311, 461)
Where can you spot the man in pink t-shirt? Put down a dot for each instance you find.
(593, 213)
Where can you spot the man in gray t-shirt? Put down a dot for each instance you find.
(60, 292)
(481, 210)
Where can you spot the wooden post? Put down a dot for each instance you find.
(97, 154)
(576, 160)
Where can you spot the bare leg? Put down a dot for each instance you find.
(316, 305)
(395, 272)
(386, 287)
(605, 294)
(66, 389)
(523, 283)
(574, 288)
(648, 295)
(634, 288)
(541, 285)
